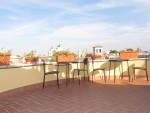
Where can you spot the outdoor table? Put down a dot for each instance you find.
(118, 60)
(67, 63)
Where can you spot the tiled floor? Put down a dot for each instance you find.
(97, 97)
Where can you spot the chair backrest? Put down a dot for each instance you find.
(146, 62)
(85, 62)
(93, 63)
(43, 65)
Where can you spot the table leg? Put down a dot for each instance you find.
(114, 72)
(66, 74)
(128, 70)
(109, 69)
(122, 70)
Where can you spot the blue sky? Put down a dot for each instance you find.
(75, 24)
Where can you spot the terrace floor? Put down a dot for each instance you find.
(97, 97)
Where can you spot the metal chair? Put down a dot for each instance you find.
(145, 68)
(97, 69)
(85, 69)
(50, 73)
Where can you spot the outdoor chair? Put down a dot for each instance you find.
(84, 69)
(98, 69)
(144, 68)
(50, 73)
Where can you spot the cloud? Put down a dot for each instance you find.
(80, 36)
(87, 32)
(101, 31)
(23, 30)
(101, 5)
(75, 24)
(142, 2)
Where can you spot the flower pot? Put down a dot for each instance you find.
(31, 59)
(96, 57)
(65, 58)
(4, 59)
(128, 54)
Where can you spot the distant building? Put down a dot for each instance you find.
(52, 50)
(79, 53)
(59, 48)
(97, 50)
(143, 54)
(14, 59)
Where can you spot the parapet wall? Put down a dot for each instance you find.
(11, 78)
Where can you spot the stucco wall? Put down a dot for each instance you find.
(17, 77)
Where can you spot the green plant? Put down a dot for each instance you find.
(31, 54)
(65, 52)
(4, 51)
(113, 51)
(129, 49)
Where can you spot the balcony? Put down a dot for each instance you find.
(21, 91)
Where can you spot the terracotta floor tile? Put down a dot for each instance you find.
(97, 97)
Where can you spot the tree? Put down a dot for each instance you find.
(113, 51)
(129, 49)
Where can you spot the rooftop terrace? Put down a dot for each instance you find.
(21, 92)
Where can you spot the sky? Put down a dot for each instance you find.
(27, 25)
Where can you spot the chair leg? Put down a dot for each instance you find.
(73, 75)
(104, 76)
(44, 81)
(88, 76)
(129, 74)
(129, 77)
(114, 78)
(92, 76)
(79, 77)
(57, 81)
(147, 75)
(84, 75)
(134, 73)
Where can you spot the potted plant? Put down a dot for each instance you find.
(64, 55)
(95, 57)
(128, 53)
(31, 56)
(5, 56)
